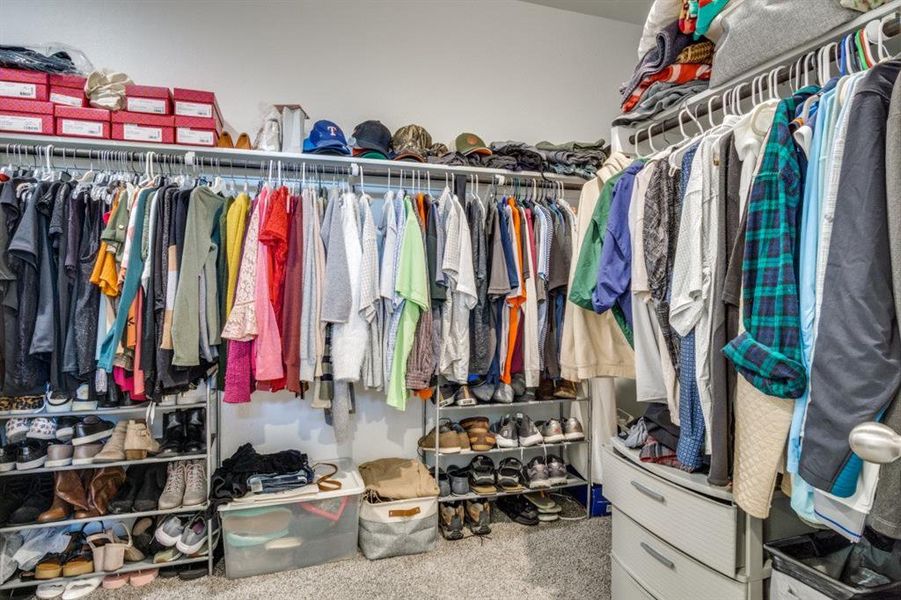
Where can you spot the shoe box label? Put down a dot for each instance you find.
(196, 137)
(142, 134)
(147, 105)
(87, 128)
(14, 89)
(24, 124)
(193, 109)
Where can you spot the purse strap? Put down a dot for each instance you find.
(325, 482)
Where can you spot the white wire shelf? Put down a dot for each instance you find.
(514, 406)
(120, 463)
(102, 412)
(572, 481)
(106, 517)
(129, 568)
(539, 447)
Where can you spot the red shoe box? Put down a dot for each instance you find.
(69, 81)
(195, 131)
(198, 104)
(26, 116)
(68, 96)
(143, 127)
(148, 99)
(82, 122)
(27, 85)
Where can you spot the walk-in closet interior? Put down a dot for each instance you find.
(413, 299)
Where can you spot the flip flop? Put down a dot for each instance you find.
(543, 503)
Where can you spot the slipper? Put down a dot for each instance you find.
(543, 503)
(49, 590)
(81, 588)
(141, 578)
(114, 582)
(547, 517)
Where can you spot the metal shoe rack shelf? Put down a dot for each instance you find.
(211, 457)
(523, 453)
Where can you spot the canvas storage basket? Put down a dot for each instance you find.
(398, 528)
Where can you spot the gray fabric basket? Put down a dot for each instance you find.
(398, 528)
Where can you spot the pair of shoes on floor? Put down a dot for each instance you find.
(185, 485)
(187, 536)
(548, 509)
(135, 579)
(476, 514)
(518, 509)
(68, 591)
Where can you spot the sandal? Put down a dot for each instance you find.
(509, 475)
(481, 475)
(80, 561)
(98, 543)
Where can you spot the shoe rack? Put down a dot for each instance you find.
(151, 411)
(550, 408)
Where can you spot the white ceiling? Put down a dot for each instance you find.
(630, 11)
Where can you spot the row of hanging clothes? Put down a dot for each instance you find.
(761, 262)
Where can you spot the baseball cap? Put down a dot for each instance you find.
(411, 141)
(371, 137)
(326, 138)
(470, 143)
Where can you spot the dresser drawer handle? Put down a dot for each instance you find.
(659, 557)
(648, 492)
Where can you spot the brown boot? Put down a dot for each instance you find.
(85, 509)
(104, 485)
(70, 492)
(60, 509)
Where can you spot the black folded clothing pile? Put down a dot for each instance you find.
(572, 158)
(230, 480)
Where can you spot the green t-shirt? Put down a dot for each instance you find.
(413, 285)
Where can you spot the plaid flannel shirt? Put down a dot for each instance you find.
(768, 354)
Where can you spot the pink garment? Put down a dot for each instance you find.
(238, 372)
(267, 346)
(123, 379)
(139, 392)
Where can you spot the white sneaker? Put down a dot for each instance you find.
(195, 485)
(194, 396)
(82, 399)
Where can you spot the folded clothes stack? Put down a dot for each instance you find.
(676, 67)
(273, 472)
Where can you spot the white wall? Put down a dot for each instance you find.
(500, 68)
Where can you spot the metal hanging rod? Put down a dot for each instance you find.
(231, 159)
(711, 100)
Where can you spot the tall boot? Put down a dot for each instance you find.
(104, 485)
(173, 433)
(85, 509)
(195, 431)
(67, 490)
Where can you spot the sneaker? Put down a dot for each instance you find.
(195, 485)
(528, 433)
(32, 454)
(445, 395)
(58, 402)
(17, 430)
(478, 516)
(42, 428)
(556, 470)
(92, 429)
(537, 474)
(193, 536)
(552, 431)
(59, 455)
(518, 509)
(505, 433)
(114, 448)
(503, 394)
(459, 480)
(82, 400)
(27, 405)
(8, 456)
(442, 480)
(85, 453)
(509, 475)
(65, 428)
(448, 441)
(482, 391)
(169, 532)
(6, 405)
(572, 430)
(481, 475)
(452, 517)
(195, 395)
(174, 492)
(465, 397)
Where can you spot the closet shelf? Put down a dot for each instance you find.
(693, 481)
(129, 568)
(514, 406)
(572, 481)
(103, 412)
(255, 159)
(121, 463)
(107, 517)
(508, 450)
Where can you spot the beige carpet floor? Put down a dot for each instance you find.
(556, 561)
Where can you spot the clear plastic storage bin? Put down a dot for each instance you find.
(285, 532)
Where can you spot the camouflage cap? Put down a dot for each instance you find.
(411, 141)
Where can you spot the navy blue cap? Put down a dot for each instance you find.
(326, 138)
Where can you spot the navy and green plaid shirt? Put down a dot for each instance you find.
(768, 353)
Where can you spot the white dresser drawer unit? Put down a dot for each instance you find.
(665, 572)
(623, 586)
